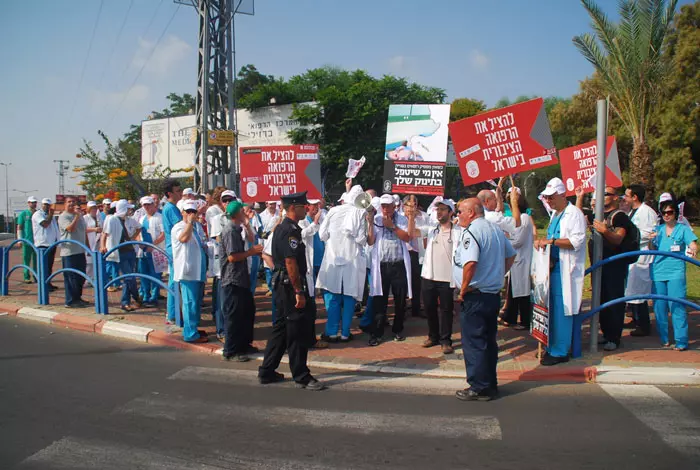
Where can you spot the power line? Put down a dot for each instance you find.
(87, 56)
(116, 42)
(146, 62)
(150, 23)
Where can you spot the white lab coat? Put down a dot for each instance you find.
(187, 257)
(375, 288)
(308, 230)
(113, 230)
(268, 219)
(430, 231)
(522, 241)
(343, 270)
(498, 219)
(572, 263)
(639, 278)
(92, 237)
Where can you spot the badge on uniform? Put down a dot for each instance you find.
(675, 248)
(467, 241)
(293, 243)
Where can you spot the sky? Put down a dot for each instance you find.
(58, 87)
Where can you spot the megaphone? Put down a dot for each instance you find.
(363, 202)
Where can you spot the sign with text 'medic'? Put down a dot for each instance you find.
(269, 172)
(578, 166)
(503, 142)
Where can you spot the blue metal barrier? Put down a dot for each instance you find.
(6, 270)
(576, 348)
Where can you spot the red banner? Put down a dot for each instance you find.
(267, 173)
(61, 198)
(503, 142)
(578, 166)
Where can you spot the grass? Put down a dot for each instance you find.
(692, 273)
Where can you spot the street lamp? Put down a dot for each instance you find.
(24, 193)
(7, 194)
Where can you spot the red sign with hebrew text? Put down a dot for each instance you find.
(270, 172)
(503, 142)
(578, 166)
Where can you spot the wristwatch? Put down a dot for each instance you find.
(299, 292)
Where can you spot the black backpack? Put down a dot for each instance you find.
(630, 242)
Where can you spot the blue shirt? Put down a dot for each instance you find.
(171, 216)
(487, 245)
(553, 231)
(319, 246)
(666, 268)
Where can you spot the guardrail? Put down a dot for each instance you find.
(576, 348)
(98, 281)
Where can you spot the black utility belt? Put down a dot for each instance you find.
(390, 263)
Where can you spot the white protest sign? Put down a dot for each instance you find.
(354, 167)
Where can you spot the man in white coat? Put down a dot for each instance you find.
(566, 237)
(391, 266)
(315, 249)
(639, 278)
(190, 269)
(342, 273)
(94, 229)
(493, 209)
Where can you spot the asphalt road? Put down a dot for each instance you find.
(71, 400)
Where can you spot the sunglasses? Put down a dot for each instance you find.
(611, 195)
(227, 199)
(671, 212)
(190, 211)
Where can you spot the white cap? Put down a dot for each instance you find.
(665, 197)
(113, 204)
(189, 206)
(46, 201)
(510, 190)
(121, 208)
(106, 201)
(555, 186)
(180, 204)
(352, 195)
(91, 204)
(199, 203)
(272, 202)
(448, 202)
(31, 199)
(188, 192)
(376, 204)
(146, 200)
(313, 201)
(386, 199)
(229, 193)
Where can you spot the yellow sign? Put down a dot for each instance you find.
(221, 138)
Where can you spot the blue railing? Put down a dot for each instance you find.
(98, 280)
(576, 348)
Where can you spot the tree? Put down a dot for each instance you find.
(249, 79)
(466, 107)
(628, 58)
(675, 139)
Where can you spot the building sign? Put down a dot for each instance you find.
(503, 142)
(61, 198)
(267, 173)
(416, 149)
(578, 166)
(221, 138)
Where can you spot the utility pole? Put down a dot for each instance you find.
(63, 165)
(7, 197)
(215, 101)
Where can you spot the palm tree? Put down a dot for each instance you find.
(629, 59)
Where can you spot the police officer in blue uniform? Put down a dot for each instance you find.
(481, 260)
(295, 307)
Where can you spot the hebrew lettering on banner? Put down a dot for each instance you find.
(416, 149)
(267, 173)
(503, 142)
(578, 166)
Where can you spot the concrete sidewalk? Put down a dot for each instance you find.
(640, 360)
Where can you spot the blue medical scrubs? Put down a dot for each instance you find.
(561, 327)
(171, 216)
(149, 291)
(191, 292)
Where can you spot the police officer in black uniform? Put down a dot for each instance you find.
(292, 330)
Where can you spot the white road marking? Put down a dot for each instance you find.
(338, 381)
(80, 454)
(674, 423)
(191, 410)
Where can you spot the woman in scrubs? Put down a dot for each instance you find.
(668, 274)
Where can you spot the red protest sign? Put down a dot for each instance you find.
(503, 142)
(267, 173)
(578, 165)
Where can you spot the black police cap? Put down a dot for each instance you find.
(296, 198)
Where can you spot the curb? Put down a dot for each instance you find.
(576, 374)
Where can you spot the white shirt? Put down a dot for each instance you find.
(113, 231)
(213, 218)
(436, 251)
(91, 236)
(504, 223)
(187, 257)
(267, 219)
(44, 236)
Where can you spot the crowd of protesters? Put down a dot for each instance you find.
(466, 251)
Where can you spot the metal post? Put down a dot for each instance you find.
(204, 124)
(230, 179)
(4, 270)
(596, 276)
